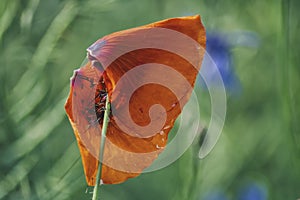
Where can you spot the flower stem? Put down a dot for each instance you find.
(103, 137)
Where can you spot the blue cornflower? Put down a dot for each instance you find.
(218, 47)
(253, 191)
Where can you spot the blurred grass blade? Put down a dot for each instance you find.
(25, 188)
(27, 15)
(58, 172)
(63, 165)
(64, 189)
(22, 108)
(8, 16)
(48, 121)
(287, 89)
(13, 178)
(64, 184)
(44, 50)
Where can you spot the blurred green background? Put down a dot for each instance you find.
(42, 42)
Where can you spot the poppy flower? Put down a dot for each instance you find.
(148, 73)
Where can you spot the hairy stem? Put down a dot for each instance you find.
(103, 137)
